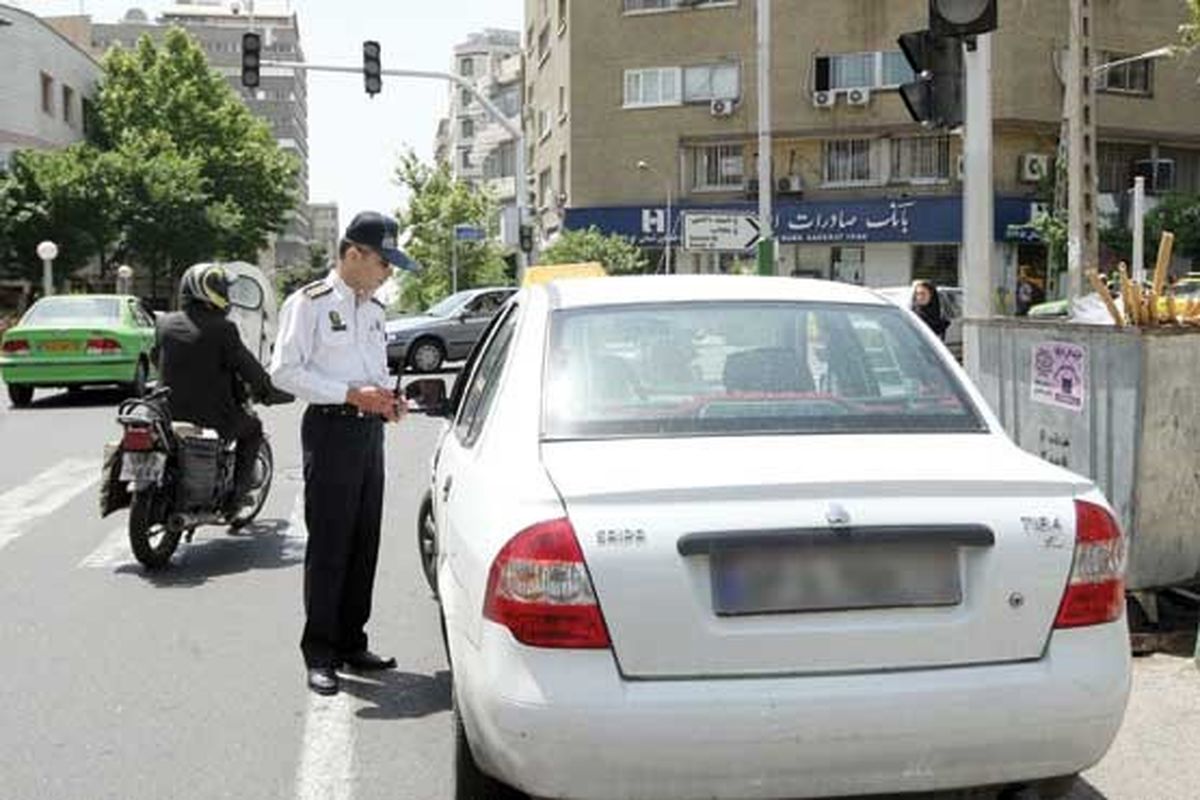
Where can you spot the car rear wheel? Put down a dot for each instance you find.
(427, 355)
(427, 541)
(470, 782)
(20, 396)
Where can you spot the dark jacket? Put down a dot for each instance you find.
(202, 359)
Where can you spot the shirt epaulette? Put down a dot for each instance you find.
(318, 289)
(379, 303)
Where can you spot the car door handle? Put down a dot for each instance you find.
(446, 485)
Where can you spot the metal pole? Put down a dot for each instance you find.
(47, 277)
(1083, 238)
(766, 246)
(670, 228)
(513, 129)
(978, 218)
(454, 264)
(1139, 229)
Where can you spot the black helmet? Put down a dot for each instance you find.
(206, 285)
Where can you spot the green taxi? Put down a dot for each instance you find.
(78, 340)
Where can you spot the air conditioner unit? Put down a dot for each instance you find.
(960, 167)
(825, 98)
(722, 107)
(752, 187)
(858, 97)
(790, 184)
(1034, 167)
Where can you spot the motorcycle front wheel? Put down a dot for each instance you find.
(264, 471)
(152, 540)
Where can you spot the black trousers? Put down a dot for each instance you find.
(343, 506)
(248, 432)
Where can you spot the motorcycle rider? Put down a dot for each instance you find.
(203, 361)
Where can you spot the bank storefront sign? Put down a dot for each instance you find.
(925, 220)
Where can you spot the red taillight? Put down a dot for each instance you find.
(1096, 593)
(16, 347)
(137, 439)
(103, 346)
(539, 588)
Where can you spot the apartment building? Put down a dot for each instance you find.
(861, 193)
(326, 227)
(478, 148)
(46, 82)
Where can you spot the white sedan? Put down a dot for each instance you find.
(697, 537)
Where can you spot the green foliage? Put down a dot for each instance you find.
(1179, 214)
(176, 170)
(618, 255)
(1191, 30)
(438, 202)
(289, 279)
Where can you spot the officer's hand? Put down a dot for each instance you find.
(373, 400)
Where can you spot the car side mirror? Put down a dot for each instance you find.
(428, 396)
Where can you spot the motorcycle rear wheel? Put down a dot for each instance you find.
(152, 540)
(264, 471)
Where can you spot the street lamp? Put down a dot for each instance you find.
(124, 279)
(644, 167)
(47, 251)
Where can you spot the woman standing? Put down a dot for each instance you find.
(928, 306)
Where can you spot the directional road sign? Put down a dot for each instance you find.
(720, 231)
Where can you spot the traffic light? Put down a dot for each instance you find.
(526, 238)
(962, 17)
(935, 98)
(251, 59)
(372, 70)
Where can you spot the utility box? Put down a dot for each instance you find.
(1119, 405)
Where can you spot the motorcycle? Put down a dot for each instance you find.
(175, 477)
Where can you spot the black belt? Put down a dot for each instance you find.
(341, 410)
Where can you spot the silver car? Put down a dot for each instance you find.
(446, 332)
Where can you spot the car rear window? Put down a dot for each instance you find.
(730, 368)
(74, 310)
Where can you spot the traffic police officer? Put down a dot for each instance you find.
(332, 353)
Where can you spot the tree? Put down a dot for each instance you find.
(1191, 30)
(1179, 214)
(166, 100)
(436, 204)
(618, 255)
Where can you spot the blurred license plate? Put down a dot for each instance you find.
(840, 578)
(60, 346)
(142, 467)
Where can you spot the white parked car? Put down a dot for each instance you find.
(690, 541)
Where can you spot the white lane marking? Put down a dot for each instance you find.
(327, 756)
(112, 552)
(44, 494)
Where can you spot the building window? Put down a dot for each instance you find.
(562, 179)
(562, 16)
(466, 67)
(711, 82)
(720, 167)
(466, 98)
(544, 188)
(68, 103)
(921, 159)
(47, 94)
(671, 5)
(468, 128)
(850, 162)
(544, 44)
(501, 162)
(658, 86)
(936, 263)
(873, 70)
(464, 158)
(1136, 77)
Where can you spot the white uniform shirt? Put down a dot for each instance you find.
(329, 342)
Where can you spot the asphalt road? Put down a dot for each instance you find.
(189, 684)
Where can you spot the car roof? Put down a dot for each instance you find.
(646, 289)
(81, 297)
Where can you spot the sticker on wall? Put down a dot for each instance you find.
(1060, 375)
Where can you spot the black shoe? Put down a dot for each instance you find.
(323, 680)
(367, 661)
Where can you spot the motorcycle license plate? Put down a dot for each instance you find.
(143, 467)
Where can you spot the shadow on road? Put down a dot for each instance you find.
(81, 398)
(260, 546)
(399, 695)
(1081, 791)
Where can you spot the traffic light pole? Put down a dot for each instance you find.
(522, 180)
(978, 203)
(766, 188)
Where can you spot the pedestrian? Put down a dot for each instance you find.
(332, 353)
(927, 305)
